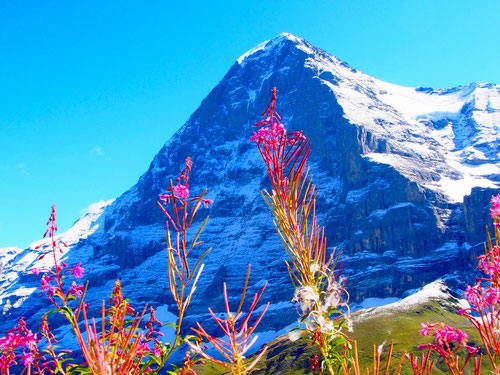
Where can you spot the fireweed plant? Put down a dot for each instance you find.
(448, 343)
(484, 302)
(483, 311)
(320, 296)
(182, 276)
(116, 345)
(118, 342)
(20, 348)
(183, 279)
(238, 333)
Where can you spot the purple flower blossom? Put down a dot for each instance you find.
(77, 271)
(181, 191)
(492, 296)
(495, 207)
(45, 285)
(425, 329)
(76, 290)
(27, 359)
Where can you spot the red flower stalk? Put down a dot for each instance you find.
(238, 335)
(180, 211)
(314, 364)
(285, 154)
(354, 364)
(52, 280)
(319, 292)
(448, 342)
(422, 366)
(121, 347)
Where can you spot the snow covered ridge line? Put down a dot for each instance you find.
(81, 228)
(17, 261)
(447, 134)
(435, 291)
(272, 43)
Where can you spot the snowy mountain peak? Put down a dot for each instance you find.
(265, 48)
(447, 140)
(436, 291)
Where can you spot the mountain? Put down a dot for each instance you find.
(404, 178)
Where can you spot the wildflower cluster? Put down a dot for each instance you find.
(125, 341)
(447, 343)
(121, 343)
(120, 346)
(319, 293)
(20, 344)
(22, 348)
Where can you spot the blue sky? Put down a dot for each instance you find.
(90, 90)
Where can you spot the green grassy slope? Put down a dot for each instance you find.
(399, 322)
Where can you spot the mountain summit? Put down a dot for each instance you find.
(404, 178)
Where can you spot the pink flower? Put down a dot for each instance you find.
(495, 213)
(495, 201)
(495, 207)
(461, 336)
(165, 197)
(45, 285)
(263, 135)
(30, 340)
(425, 329)
(157, 351)
(27, 359)
(77, 271)
(181, 191)
(492, 296)
(472, 350)
(36, 271)
(472, 295)
(76, 290)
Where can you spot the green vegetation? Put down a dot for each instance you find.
(370, 327)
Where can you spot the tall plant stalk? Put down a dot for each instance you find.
(319, 292)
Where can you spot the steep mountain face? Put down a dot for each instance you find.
(392, 165)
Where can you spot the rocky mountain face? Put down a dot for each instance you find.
(392, 165)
